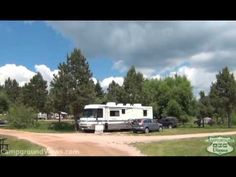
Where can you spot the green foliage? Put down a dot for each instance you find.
(115, 93)
(73, 88)
(20, 116)
(4, 102)
(223, 94)
(34, 94)
(205, 108)
(133, 87)
(173, 109)
(170, 96)
(99, 93)
(12, 89)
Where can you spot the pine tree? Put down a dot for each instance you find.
(73, 88)
(133, 86)
(115, 93)
(223, 93)
(35, 93)
(12, 89)
(99, 93)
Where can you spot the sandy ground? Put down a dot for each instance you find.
(89, 144)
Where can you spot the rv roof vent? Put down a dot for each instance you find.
(127, 104)
(120, 104)
(137, 105)
(111, 104)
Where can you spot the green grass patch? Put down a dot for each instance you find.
(184, 130)
(183, 147)
(18, 147)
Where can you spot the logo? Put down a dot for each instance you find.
(220, 145)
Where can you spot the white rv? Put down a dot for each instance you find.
(113, 116)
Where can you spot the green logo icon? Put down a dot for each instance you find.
(220, 145)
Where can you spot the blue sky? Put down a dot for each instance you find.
(157, 49)
(31, 43)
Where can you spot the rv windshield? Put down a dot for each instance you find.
(93, 113)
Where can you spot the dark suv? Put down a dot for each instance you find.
(146, 125)
(169, 122)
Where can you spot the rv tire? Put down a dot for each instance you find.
(106, 127)
(146, 130)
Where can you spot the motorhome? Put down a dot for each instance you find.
(113, 116)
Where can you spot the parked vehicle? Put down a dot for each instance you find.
(169, 122)
(206, 121)
(113, 116)
(146, 125)
(3, 122)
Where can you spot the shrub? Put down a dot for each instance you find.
(4, 103)
(20, 116)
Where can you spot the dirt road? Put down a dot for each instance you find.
(89, 144)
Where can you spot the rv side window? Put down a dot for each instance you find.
(123, 111)
(114, 113)
(144, 112)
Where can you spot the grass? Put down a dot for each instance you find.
(18, 147)
(50, 127)
(184, 147)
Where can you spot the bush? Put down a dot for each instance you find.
(184, 118)
(20, 116)
(4, 103)
(234, 118)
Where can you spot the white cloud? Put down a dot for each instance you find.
(147, 72)
(202, 57)
(156, 76)
(23, 75)
(94, 80)
(200, 78)
(46, 72)
(120, 65)
(18, 72)
(105, 82)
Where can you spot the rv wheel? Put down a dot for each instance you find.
(146, 130)
(106, 127)
(160, 129)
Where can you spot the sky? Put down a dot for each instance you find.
(197, 49)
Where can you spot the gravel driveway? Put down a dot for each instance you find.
(89, 144)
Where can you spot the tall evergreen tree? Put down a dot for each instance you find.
(59, 92)
(133, 86)
(73, 85)
(223, 93)
(99, 93)
(35, 93)
(205, 109)
(12, 89)
(115, 93)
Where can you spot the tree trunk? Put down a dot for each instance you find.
(229, 120)
(59, 117)
(76, 123)
(203, 123)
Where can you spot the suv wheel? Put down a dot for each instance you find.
(160, 129)
(146, 130)
(170, 126)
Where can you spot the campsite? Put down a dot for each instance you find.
(113, 97)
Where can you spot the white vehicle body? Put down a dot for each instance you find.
(113, 116)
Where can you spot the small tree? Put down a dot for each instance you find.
(4, 103)
(223, 93)
(20, 116)
(12, 89)
(99, 93)
(173, 109)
